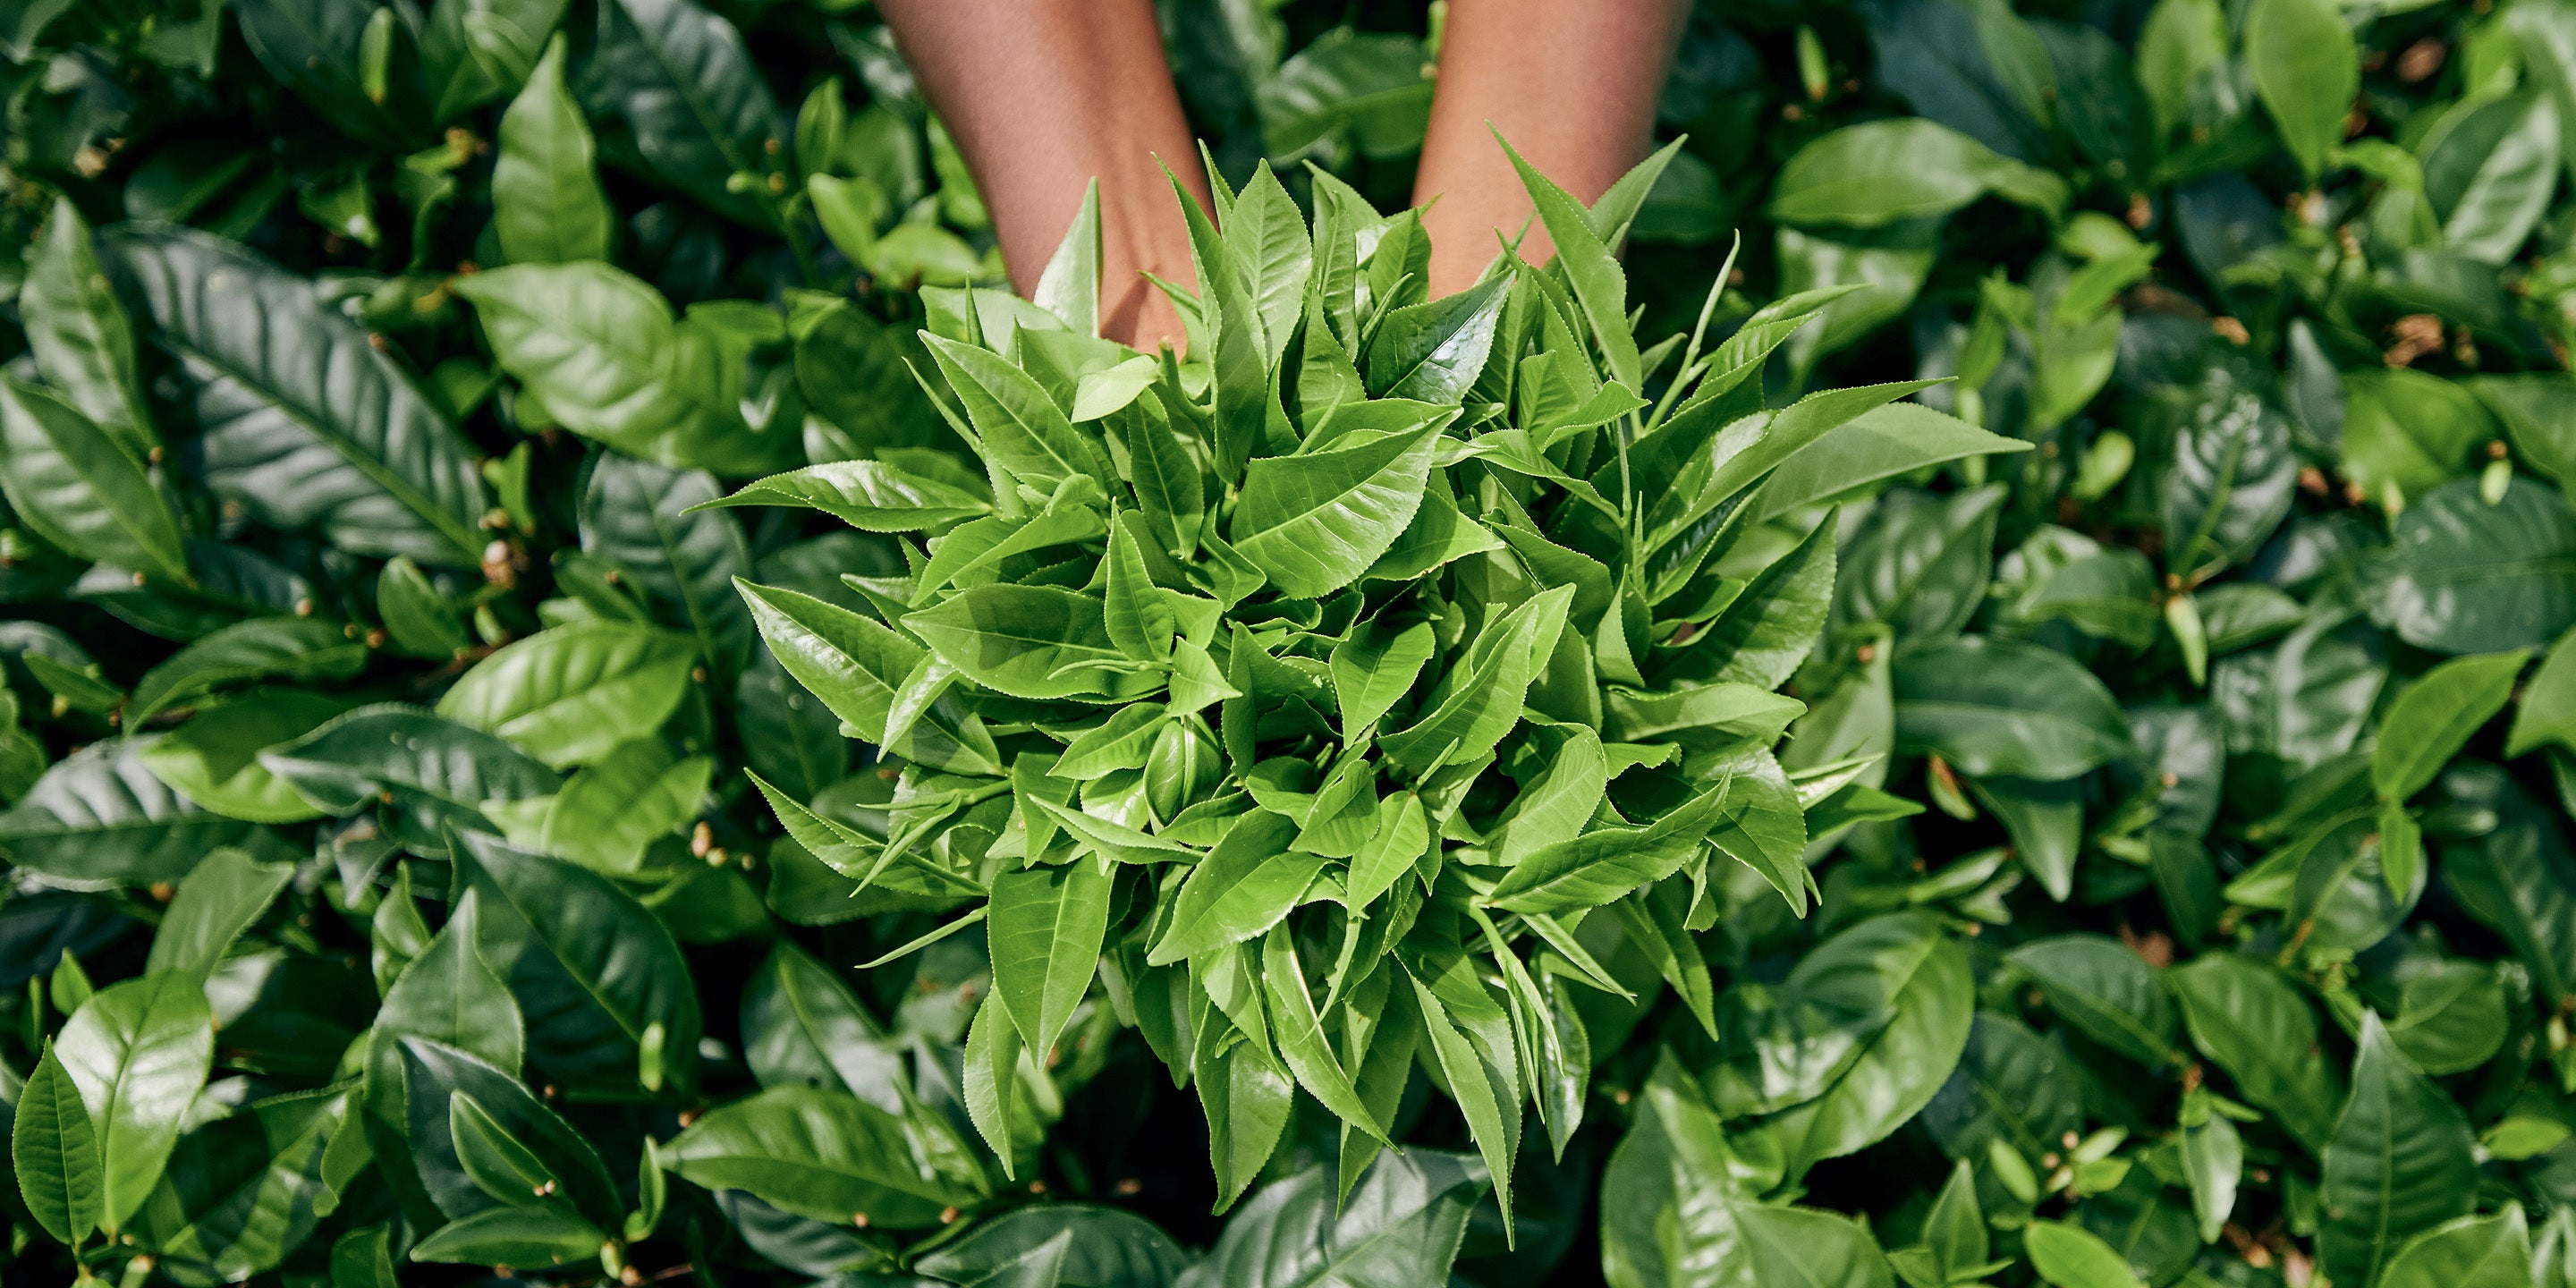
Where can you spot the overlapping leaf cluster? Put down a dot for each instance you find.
(418, 858)
(1320, 698)
(391, 727)
(2236, 698)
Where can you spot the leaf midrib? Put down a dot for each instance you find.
(459, 537)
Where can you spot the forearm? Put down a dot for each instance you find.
(1042, 97)
(1572, 83)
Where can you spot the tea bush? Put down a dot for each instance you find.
(1968, 687)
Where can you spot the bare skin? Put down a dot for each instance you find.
(1041, 97)
(1572, 84)
(1044, 95)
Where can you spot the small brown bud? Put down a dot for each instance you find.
(2421, 59)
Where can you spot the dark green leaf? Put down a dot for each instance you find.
(82, 340)
(305, 425)
(81, 489)
(820, 1154)
(100, 814)
(571, 694)
(53, 1147)
(690, 105)
(264, 648)
(2399, 1161)
(2249, 1020)
(2465, 576)
(637, 516)
(1993, 706)
(2107, 991)
(593, 970)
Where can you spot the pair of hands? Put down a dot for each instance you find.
(1043, 96)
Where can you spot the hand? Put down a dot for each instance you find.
(1044, 96)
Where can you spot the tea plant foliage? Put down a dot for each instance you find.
(1967, 683)
(1310, 723)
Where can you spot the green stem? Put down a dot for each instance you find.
(806, 268)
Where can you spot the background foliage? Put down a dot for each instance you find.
(2235, 943)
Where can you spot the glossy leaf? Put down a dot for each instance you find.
(53, 1147)
(2470, 577)
(1313, 523)
(690, 103)
(2254, 1025)
(569, 695)
(1996, 707)
(265, 648)
(305, 424)
(223, 897)
(2397, 1124)
(637, 517)
(820, 1154)
(1045, 929)
(139, 1052)
(80, 488)
(547, 207)
(594, 971)
(102, 814)
(81, 336)
(2105, 990)
(602, 351)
